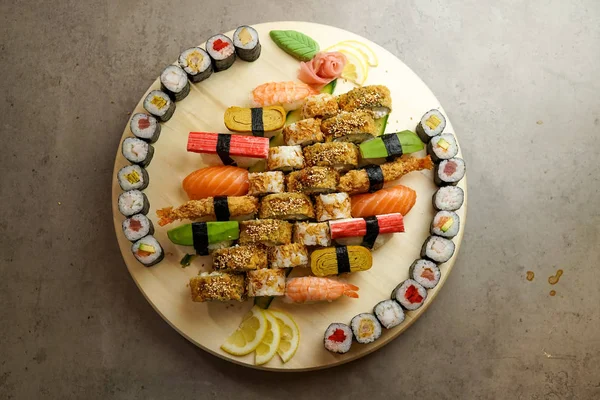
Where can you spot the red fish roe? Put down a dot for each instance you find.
(219, 45)
(337, 336)
(412, 294)
(450, 168)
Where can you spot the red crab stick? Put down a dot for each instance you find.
(224, 143)
(355, 227)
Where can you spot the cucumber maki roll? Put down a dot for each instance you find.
(133, 202)
(449, 172)
(425, 272)
(174, 82)
(437, 249)
(133, 177)
(431, 124)
(222, 52)
(145, 127)
(442, 147)
(148, 251)
(159, 104)
(137, 151)
(338, 338)
(445, 224)
(389, 313)
(196, 63)
(410, 294)
(137, 226)
(247, 45)
(366, 328)
(448, 198)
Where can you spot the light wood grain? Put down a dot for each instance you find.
(208, 324)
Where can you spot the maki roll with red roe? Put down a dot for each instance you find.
(222, 52)
(338, 338)
(196, 63)
(145, 127)
(410, 294)
(247, 45)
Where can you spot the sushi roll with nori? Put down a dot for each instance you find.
(148, 251)
(137, 151)
(442, 147)
(410, 294)
(437, 249)
(448, 198)
(449, 172)
(196, 63)
(425, 272)
(133, 202)
(137, 226)
(389, 313)
(432, 124)
(445, 224)
(205, 236)
(174, 82)
(366, 328)
(338, 338)
(159, 104)
(246, 43)
(133, 177)
(145, 127)
(222, 52)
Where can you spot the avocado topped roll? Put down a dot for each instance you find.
(355, 127)
(375, 98)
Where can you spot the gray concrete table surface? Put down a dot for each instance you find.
(520, 83)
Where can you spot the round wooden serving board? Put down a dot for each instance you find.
(208, 324)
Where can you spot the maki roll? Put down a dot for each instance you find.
(227, 149)
(425, 272)
(174, 82)
(147, 251)
(445, 224)
(222, 52)
(240, 259)
(442, 147)
(304, 132)
(338, 338)
(145, 127)
(205, 236)
(410, 294)
(322, 105)
(437, 249)
(270, 232)
(288, 206)
(333, 206)
(218, 286)
(196, 63)
(246, 43)
(159, 104)
(375, 98)
(313, 180)
(340, 156)
(312, 234)
(339, 260)
(389, 313)
(133, 177)
(355, 127)
(137, 151)
(288, 256)
(448, 198)
(263, 183)
(133, 202)
(432, 124)
(366, 328)
(266, 282)
(285, 158)
(449, 172)
(136, 227)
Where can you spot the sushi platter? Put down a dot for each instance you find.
(289, 196)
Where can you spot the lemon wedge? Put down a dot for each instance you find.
(363, 48)
(268, 346)
(249, 335)
(290, 335)
(356, 70)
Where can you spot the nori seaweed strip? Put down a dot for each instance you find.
(372, 232)
(392, 146)
(341, 253)
(221, 206)
(223, 146)
(200, 238)
(258, 129)
(375, 175)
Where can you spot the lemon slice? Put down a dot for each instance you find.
(371, 56)
(355, 69)
(268, 346)
(248, 335)
(290, 335)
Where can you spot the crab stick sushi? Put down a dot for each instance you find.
(148, 251)
(445, 224)
(437, 249)
(246, 43)
(196, 63)
(227, 149)
(313, 180)
(449, 172)
(205, 236)
(285, 158)
(339, 260)
(338, 338)
(366, 328)
(375, 98)
(159, 104)
(137, 151)
(145, 127)
(389, 313)
(425, 272)
(397, 199)
(448, 198)
(304, 132)
(263, 183)
(288, 256)
(410, 294)
(431, 124)
(390, 146)
(288, 206)
(136, 227)
(341, 156)
(257, 120)
(210, 209)
(269, 232)
(266, 282)
(222, 52)
(312, 234)
(370, 232)
(133, 177)
(290, 95)
(174, 82)
(333, 206)
(133, 202)
(216, 181)
(322, 105)
(218, 286)
(442, 147)
(355, 127)
(240, 259)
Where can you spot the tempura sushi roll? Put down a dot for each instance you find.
(266, 282)
(137, 226)
(205, 236)
(218, 286)
(449, 172)
(196, 63)
(340, 260)
(445, 224)
(227, 149)
(263, 183)
(442, 147)
(448, 198)
(338, 338)
(304, 132)
(159, 104)
(246, 43)
(340, 156)
(222, 52)
(432, 123)
(312, 234)
(137, 151)
(174, 82)
(133, 202)
(322, 105)
(355, 127)
(220, 208)
(437, 249)
(370, 232)
(270, 232)
(375, 98)
(288, 256)
(333, 206)
(288, 206)
(366, 328)
(410, 294)
(148, 251)
(285, 158)
(133, 177)
(313, 180)
(145, 127)
(389, 313)
(256, 120)
(240, 258)
(425, 272)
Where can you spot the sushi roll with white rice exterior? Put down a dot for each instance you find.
(246, 43)
(133, 177)
(437, 249)
(159, 104)
(145, 127)
(222, 52)
(431, 124)
(448, 198)
(263, 183)
(445, 224)
(285, 158)
(333, 206)
(366, 328)
(338, 338)
(137, 151)
(442, 147)
(137, 226)
(288, 256)
(148, 251)
(174, 82)
(410, 294)
(133, 202)
(196, 63)
(389, 313)
(449, 172)
(425, 272)
(312, 234)
(265, 282)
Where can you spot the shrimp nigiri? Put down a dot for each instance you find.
(311, 288)
(289, 94)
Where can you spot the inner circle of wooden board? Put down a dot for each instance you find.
(208, 324)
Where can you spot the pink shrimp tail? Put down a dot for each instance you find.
(350, 290)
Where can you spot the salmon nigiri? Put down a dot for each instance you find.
(308, 289)
(289, 94)
(216, 181)
(396, 199)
